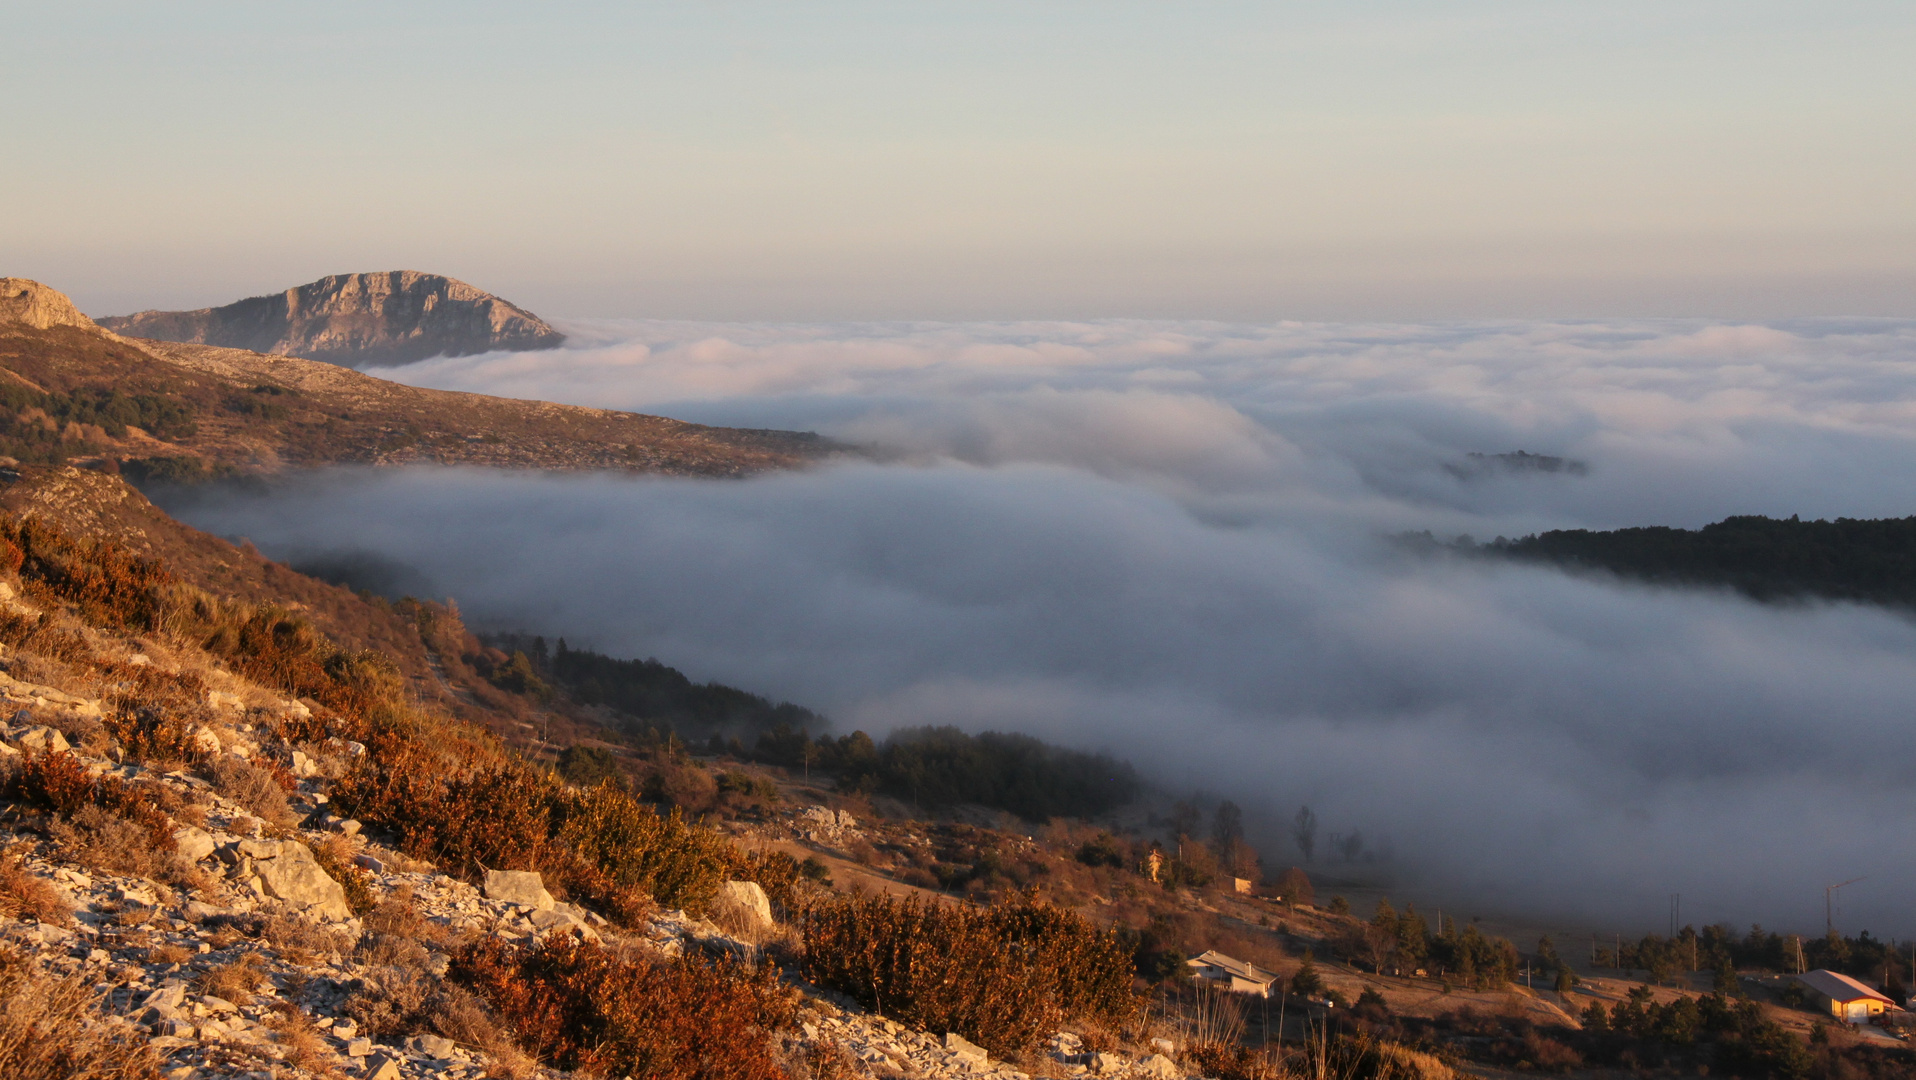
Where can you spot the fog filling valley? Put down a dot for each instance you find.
(1172, 541)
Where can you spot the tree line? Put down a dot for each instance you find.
(1867, 560)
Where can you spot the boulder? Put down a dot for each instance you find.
(522, 887)
(291, 875)
(965, 1048)
(304, 767)
(195, 844)
(1159, 1066)
(1106, 1064)
(382, 1067)
(437, 1046)
(747, 897)
(204, 739)
(40, 739)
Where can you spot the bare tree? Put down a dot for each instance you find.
(1304, 831)
(1227, 829)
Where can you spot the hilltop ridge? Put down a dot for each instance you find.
(367, 319)
(73, 390)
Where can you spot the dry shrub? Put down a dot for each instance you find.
(106, 841)
(1231, 1061)
(335, 856)
(461, 1016)
(23, 892)
(165, 953)
(1360, 1057)
(235, 982)
(1003, 977)
(394, 999)
(153, 713)
(52, 1029)
(827, 1059)
(43, 635)
(252, 787)
(61, 783)
(301, 1041)
(584, 1007)
(293, 933)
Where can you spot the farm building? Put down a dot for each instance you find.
(1844, 997)
(1233, 975)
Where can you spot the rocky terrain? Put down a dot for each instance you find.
(71, 390)
(359, 320)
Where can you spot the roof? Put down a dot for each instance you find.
(1838, 987)
(1239, 968)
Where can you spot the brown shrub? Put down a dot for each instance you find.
(61, 783)
(584, 1007)
(42, 635)
(106, 841)
(1003, 976)
(294, 933)
(394, 999)
(250, 786)
(52, 1029)
(165, 953)
(461, 1016)
(301, 1041)
(1231, 1061)
(335, 856)
(235, 982)
(23, 892)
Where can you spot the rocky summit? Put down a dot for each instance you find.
(29, 303)
(359, 320)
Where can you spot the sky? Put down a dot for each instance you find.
(1172, 540)
(979, 160)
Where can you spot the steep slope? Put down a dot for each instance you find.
(393, 317)
(70, 390)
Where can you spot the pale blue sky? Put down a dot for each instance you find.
(977, 160)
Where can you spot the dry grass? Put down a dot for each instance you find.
(52, 1029)
(23, 892)
(235, 982)
(459, 1015)
(104, 840)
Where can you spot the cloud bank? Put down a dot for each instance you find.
(1165, 540)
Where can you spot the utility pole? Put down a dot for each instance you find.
(1829, 904)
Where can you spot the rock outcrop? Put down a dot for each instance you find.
(32, 304)
(358, 320)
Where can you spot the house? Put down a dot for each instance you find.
(1844, 997)
(1233, 975)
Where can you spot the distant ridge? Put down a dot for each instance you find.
(358, 320)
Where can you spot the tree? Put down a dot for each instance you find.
(1565, 979)
(1304, 831)
(587, 766)
(1725, 982)
(1294, 887)
(1307, 982)
(1227, 829)
(1340, 906)
(1185, 818)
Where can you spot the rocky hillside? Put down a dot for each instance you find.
(359, 320)
(70, 390)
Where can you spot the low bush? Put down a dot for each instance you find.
(52, 1029)
(23, 892)
(584, 1007)
(1003, 976)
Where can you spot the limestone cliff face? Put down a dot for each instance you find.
(33, 304)
(358, 320)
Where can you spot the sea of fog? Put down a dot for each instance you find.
(1170, 540)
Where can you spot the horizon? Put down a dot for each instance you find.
(1402, 162)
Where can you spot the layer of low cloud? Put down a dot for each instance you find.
(1165, 540)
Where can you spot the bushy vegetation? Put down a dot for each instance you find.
(649, 692)
(52, 1028)
(943, 766)
(34, 423)
(446, 791)
(584, 1007)
(1765, 558)
(1002, 976)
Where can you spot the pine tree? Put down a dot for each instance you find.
(1307, 982)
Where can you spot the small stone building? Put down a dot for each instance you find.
(1844, 997)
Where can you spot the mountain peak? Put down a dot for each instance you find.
(30, 303)
(389, 317)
